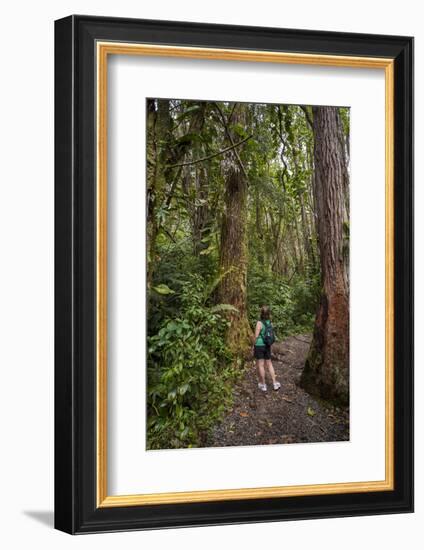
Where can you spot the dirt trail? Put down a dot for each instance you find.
(289, 415)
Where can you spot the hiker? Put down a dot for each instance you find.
(264, 338)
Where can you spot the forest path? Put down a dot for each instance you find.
(289, 415)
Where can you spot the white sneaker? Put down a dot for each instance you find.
(262, 387)
(277, 386)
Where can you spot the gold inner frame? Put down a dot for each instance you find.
(103, 50)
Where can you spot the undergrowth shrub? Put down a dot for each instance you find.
(190, 379)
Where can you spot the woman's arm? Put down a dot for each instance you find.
(257, 331)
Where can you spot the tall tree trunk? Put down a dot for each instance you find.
(326, 371)
(233, 249)
(158, 127)
(151, 185)
(201, 214)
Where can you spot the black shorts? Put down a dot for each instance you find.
(262, 352)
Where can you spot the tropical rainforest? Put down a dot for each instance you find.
(247, 205)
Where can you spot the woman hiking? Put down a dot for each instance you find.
(264, 338)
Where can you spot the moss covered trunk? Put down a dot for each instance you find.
(326, 372)
(233, 249)
(158, 128)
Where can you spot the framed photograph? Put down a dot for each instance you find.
(234, 274)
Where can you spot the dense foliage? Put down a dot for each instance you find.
(293, 302)
(189, 370)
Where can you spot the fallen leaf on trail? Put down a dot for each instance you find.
(288, 400)
(244, 414)
(311, 412)
(269, 424)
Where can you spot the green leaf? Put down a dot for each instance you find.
(311, 412)
(171, 326)
(182, 389)
(163, 289)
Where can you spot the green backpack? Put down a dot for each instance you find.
(268, 335)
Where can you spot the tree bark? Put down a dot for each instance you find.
(307, 237)
(326, 372)
(233, 249)
(158, 127)
(201, 212)
(151, 184)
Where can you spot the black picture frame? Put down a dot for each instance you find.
(76, 510)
